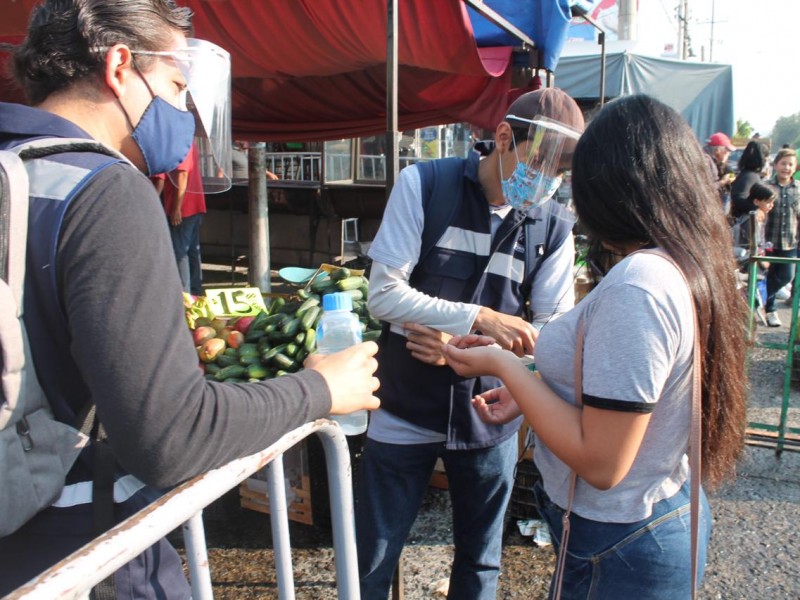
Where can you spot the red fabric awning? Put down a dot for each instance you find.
(316, 69)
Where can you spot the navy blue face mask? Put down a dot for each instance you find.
(164, 134)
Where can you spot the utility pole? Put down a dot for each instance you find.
(712, 22)
(627, 20)
(685, 21)
(711, 37)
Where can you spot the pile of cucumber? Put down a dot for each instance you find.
(279, 339)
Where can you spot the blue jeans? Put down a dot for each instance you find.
(648, 559)
(186, 246)
(392, 483)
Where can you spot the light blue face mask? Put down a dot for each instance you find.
(527, 188)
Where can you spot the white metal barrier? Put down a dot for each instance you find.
(305, 166)
(294, 166)
(74, 576)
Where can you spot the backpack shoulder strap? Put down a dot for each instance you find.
(442, 184)
(13, 223)
(42, 147)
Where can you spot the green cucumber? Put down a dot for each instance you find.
(350, 283)
(248, 348)
(340, 273)
(323, 285)
(355, 294)
(259, 321)
(231, 372)
(212, 368)
(291, 327)
(309, 317)
(257, 372)
(249, 359)
(268, 355)
(305, 306)
(276, 305)
(226, 360)
(284, 362)
(310, 343)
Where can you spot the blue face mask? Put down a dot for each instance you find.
(164, 135)
(526, 188)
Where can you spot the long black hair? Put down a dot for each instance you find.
(639, 175)
(754, 157)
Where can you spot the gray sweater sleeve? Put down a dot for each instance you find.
(121, 295)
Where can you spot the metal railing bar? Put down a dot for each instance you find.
(279, 518)
(194, 540)
(340, 489)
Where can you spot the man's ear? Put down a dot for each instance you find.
(503, 136)
(118, 68)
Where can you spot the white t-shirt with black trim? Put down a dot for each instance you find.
(637, 356)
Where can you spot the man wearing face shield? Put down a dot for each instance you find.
(103, 306)
(503, 245)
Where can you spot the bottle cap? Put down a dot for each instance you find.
(337, 301)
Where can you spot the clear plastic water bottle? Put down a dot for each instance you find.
(339, 328)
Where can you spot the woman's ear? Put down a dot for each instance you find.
(118, 68)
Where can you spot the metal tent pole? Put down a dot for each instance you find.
(392, 135)
(258, 272)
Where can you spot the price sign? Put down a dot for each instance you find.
(240, 302)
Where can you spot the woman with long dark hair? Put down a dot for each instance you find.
(639, 182)
(751, 165)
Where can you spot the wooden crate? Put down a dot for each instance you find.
(253, 490)
(253, 494)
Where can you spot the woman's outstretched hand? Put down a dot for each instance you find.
(475, 355)
(496, 407)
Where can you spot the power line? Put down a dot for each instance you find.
(669, 16)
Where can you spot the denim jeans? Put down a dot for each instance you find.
(186, 246)
(648, 559)
(392, 483)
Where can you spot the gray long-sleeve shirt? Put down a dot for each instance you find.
(121, 293)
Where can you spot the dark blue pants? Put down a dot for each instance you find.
(393, 480)
(186, 245)
(778, 276)
(156, 574)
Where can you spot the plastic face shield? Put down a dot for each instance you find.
(550, 146)
(206, 69)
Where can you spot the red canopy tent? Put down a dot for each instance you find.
(316, 69)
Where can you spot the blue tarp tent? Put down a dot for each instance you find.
(544, 21)
(701, 92)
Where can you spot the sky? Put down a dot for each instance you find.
(758, 37)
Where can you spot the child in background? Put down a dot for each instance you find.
(781, 227)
